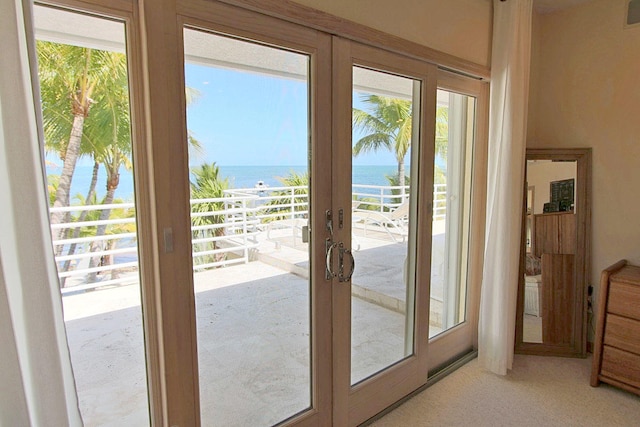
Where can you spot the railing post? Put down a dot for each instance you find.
(245, 243)
(293, 200)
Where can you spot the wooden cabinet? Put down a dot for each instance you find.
(616, 356)
(555, 243)
(555, 233)
(558, 293)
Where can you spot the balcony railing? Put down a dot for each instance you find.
(224, 230)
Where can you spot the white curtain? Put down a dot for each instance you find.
(507, 133)
(37, 387)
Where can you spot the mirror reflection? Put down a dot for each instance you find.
(550, 252)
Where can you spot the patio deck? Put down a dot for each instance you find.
(253, 335)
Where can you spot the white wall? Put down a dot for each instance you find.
(585, 92)
(458, 27)
(540, 175)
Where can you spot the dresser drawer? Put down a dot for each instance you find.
(621, 366)
(624, 299)
(622, 333)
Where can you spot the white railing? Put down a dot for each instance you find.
(224, 231)
(439, 202)
(387, 198)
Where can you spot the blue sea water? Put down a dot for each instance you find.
(239, 177)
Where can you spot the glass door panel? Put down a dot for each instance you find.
(382, 102)
(455, 129)
(84, 83)
(382, 287)
(248, 123)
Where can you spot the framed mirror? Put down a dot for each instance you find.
(555, 253)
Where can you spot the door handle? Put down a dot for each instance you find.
(341, 275)
(329, 246)
(342, 251)
(329, 273)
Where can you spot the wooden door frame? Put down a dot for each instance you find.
(126, 12)
(355, 404)
(158, 120)
(219, 18)
(463, 338)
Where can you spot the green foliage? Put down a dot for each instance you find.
(442, 131)
(366, 203)
(440, 176)
(393, 182)
(295, 179)
(280, 206)
(207, 184)
(82, 81)
(387, 125)
(92, 82)
(94, 215)
(52, 185)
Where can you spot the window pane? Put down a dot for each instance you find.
(248, 121)
(455, 118)
(382, 286)
(85, 103)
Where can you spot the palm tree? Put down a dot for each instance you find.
(387, 125)
(109, 134)
(116, 229)
(85, 104)
(207, 184)
(71, 78)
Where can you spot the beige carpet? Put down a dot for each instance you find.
(540, 391)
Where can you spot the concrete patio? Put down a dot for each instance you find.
(253, 335)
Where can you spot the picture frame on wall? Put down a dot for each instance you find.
(632, 15)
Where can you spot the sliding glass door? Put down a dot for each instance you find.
(248, 121)
(457, 216)
(259, 186)
(382, 112)
(304, 221)
(89, 162)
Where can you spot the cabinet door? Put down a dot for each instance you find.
(558, 293)
(555, 234)
(546, 229)
(567, 234)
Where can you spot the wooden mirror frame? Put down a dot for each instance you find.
(578, 345)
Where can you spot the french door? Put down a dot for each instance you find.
(286, 277)
(381, 98)
(349, 271)
(258, 196)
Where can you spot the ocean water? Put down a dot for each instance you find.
(239, 177)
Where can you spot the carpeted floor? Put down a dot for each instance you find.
(540, 391)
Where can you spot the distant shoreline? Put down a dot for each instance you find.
(239, 177)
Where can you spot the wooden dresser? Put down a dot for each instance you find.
(616, 356)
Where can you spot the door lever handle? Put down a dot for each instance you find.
(329, 273)
(341, 275)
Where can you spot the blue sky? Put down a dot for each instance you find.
(249, 119)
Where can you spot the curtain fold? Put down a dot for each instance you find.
(37, 381)
(511, 51)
